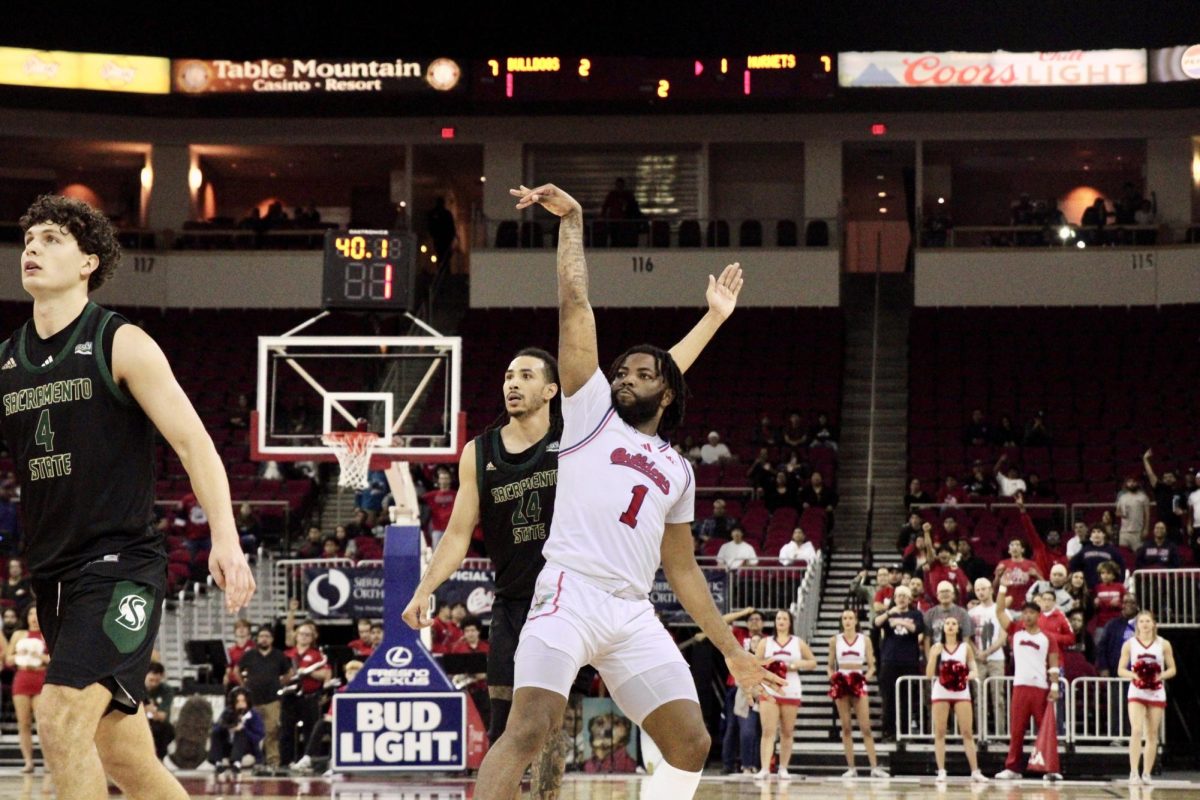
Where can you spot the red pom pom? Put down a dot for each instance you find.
(1147, 672)
(858, 684)
(778, 668)
(953, 675)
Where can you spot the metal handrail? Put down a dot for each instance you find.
(920, 719)
(1172, 594)
(646, 232)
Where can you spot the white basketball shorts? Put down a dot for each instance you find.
(573, 622)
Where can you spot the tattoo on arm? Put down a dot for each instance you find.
(572, 268)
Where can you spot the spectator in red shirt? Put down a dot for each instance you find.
(444, 631)
(304, 705)
(1107, 597)
(944, 569)
(1054, 622)
(951, 494)
(241, 643)
(330, 548)
(440, 502)
(364, 645)
(1017, 572)
(470, 641)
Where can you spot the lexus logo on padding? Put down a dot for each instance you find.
(399, 657)
(339, 582)
(132, 610)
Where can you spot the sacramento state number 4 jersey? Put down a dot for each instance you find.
(617, 489)
(516, 505)
(84, 448)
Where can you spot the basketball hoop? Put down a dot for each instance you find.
(353, 451)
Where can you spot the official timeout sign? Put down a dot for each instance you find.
(413, 732)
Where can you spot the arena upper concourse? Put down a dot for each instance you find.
(965, 358)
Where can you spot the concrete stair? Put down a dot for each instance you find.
(817, 737)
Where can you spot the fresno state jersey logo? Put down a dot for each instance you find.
(642, 464)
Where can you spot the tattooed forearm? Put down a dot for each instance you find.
(547, 769)
(572, 269)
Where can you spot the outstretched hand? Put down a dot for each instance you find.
(748, 672)
(722, 293)
(549, 197)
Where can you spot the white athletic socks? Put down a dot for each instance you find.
(670, 783)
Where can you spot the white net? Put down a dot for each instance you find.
(353, 451)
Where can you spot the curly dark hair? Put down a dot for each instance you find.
(92, 230)
(672, 416)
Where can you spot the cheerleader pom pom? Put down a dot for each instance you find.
(857, 683)
(778, 668)
(953, 675)
(839, 686)
(1147, 673)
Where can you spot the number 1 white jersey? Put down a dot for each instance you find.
(617, 488)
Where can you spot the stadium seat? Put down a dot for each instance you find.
(816, 233)
(750, 233)
(717, 233)
(786, 233)
(689, 233)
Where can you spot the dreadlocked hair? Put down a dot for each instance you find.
(91, 229)
(672, 415)
(550, 371)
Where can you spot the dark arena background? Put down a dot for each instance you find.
(968, 347)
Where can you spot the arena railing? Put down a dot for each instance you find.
(1100, 713)
(1063, 509)
(915, 723)
(288, 582)
(660, 233)
(1172, 594)
(1046, 236)
(808, 599)
(1092, 712)
(995, 726)
(766, 585)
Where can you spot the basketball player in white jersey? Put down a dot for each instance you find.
(786, 654)
(1035, 678)
(624, 504)
(952, 668)
(850, 653)
(1148, 662)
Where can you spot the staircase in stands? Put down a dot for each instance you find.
(816, 731)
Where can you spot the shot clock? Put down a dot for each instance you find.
(368, 269)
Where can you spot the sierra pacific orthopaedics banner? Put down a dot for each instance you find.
(895, 70)
(102, 72)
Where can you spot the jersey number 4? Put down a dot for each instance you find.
(629, 517)
(44, 435)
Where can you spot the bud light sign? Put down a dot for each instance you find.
(392, 732)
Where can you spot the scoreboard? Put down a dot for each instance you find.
(549, 79)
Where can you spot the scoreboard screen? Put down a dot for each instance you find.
(368, 269)
(659, 81)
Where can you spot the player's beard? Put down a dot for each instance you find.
(640, 411)
(535, 405)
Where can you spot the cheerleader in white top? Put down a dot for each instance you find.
(1147, 661)
(777, 708)
(851, 666)
(951, 666)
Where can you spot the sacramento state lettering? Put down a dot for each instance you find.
(511, 491)
(47, 394)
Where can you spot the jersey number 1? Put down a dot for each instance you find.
(629, 517)
(44, 435)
